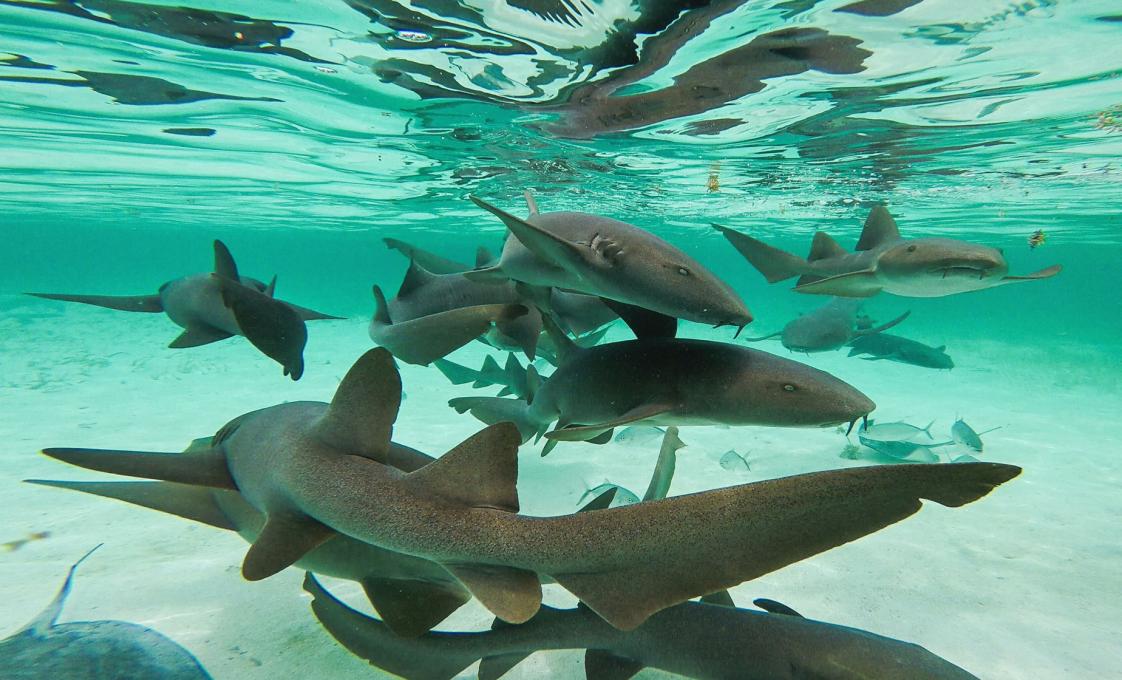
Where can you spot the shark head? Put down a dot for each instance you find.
(932, 267)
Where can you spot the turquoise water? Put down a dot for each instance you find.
(132, 135)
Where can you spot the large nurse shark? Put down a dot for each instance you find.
(883, 261)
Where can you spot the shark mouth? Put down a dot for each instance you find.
(961, 270)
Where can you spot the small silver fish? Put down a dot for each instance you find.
(898, 431)
(901, 450)
(965, 435)
(734, 461)
(623, 496)
(639, 435)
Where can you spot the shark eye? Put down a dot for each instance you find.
(683, 271)
(911, 249)
(789, 387)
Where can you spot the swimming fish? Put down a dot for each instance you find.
(889, 347)
(692, 639)
(12, 546)
(92, 650)
(623, 496)
(317, 470)
(965, 435)
(213, 307)
(895, 431)
(734, 461)
(883, 261)
(639, 435)
(1037, 239)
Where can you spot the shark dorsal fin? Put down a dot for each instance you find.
(483, 257)
(415, 277)
(531, 204)
(271, 289)
(361, 415)
(879, 229)
(381, 309)
(664, 468)
(824, 247)
(41, 625)
(721, 598)
(481, 472)
(224, 264)
(773, 607)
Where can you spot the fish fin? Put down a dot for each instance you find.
(182, 500)
(879, 229)
(495, 667)
(601, 502)
(432, 262)
(1035, 276)
(415, 277)
(514, 595)
(587, 432)
(457, 374)
(544, 244)
(224, 265)
(823, 247)
(271, 288)
(362, 413)
(600, 664)
(531, 204)
(773, 607)
(533, 383)
(493, 410)
(927, 429)
(41, 625)
(272, 326)
(124, 303)
(775, 264)
(643, 322)
(411, 608)
(490, 373)
(721, 598)
(428, 338)
(884, 326)
(853, 284)
(381, 309)
(480, 472)
(197, 336)
(550, 444)
(764, 337)
(202, 468)
(312, 315)
(792, 519)
(282, 542)
(492, 274)
(374, 641)
(664, 467)
(602, 438)
(524, 329)
(483, 257)
(566, 348)
(593, 338)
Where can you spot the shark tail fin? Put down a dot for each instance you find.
(202, 468)
(775, 264)
(493, 410)
(420, 658)
(123, 303)
(457, 374)
(490, 373)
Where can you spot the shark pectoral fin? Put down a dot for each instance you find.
(853, 284)
(481, 472)
(549, 247)
(189, 502)
(272, 326)
(374, 641)
(583, 433)
(879, 228)
(1035, 276)
(124, 303)
(550, 444)
(362, 413)
(412, 608)
(602, 438)
(721, 598)
(495, 667)
(202, 468)
(514, 595)
(224, 265)
(198, 336)
(664, 467)
(603, 665)
(643, 322)
(284, 539)
(773, 607)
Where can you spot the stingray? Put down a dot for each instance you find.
(92, 650)
(883, 261)
(703, 640)
(213, 307)
(317, 470)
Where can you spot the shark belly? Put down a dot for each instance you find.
(195, 301)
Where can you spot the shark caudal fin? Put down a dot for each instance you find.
(492, 410)
(272, 326)
(482, 472)
(751, 530)
(189, 502)
(457, 374)
(419, 658)
(124, 303)
(205, 467)
(775, 264)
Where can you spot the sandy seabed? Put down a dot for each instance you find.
(1026, 583)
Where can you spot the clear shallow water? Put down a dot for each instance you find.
(134, 134)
